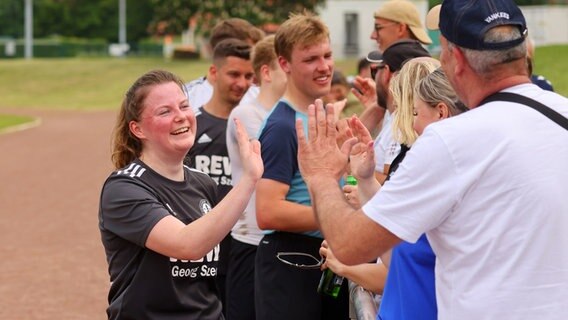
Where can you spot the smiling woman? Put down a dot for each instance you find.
(160, 221)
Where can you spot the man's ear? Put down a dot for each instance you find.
(284, 64)
(264, 74)
(387, 74)
(461, 61)
(443, 110)
(403, 30)
(136, 130)
(213, 72)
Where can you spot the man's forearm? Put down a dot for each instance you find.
(353, 237)
(331, 208)
(372, 118)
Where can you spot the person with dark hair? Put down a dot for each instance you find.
(364, 68)
(160, 221)
(397, 20)
(200, 91)
(394, 21)
(231, 74)
(496, 221)
(387, 65)
(234, 28)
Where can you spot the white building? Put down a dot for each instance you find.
(351, 22)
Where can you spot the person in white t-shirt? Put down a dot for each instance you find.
(386, 66)
(497, 222)
(246, 234)
(200, 90)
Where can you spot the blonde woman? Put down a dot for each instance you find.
(402, 90)
(434, 100)
(423, 95)
(410, 278)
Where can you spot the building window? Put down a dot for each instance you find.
(351, 34)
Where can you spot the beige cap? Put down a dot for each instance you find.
(403, 11)
(433, 17)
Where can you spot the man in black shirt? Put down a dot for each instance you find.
(231, 74)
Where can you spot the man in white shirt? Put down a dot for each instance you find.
(497, 221)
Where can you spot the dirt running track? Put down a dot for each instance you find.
(52, 264)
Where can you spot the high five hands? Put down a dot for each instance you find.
(319, 154)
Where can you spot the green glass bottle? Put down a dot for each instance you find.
(330, 283)
(350, 180)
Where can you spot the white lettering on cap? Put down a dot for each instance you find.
(497, 15)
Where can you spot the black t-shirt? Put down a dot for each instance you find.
(209, 151)
(146, 284)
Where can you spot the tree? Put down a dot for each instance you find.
(12, 18)
(173, 16)
(76, 18)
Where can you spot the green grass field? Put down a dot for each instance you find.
(7, 121)
(79, 83)
(99, 83)
(552, 62)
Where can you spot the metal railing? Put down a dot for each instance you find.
(362, 304)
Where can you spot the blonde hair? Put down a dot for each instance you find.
(402, 90)
(125, 146)
(435, 88)
(263, 54)
(300, 30)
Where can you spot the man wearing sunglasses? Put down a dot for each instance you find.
(383, 68)
(395, 20)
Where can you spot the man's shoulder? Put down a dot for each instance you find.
(244, 110)
(546, 97)
(282, 110)
(282, 117)
(205, 118)
(189, 86)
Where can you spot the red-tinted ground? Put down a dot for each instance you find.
(52, 263)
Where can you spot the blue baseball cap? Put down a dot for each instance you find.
(465, 22)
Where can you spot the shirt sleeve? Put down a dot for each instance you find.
(279, 152)
(422, 193)
(129, 210)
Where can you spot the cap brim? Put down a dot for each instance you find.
(375, 57)
(421, 35)
(433, 18)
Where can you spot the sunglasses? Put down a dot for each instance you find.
(300, 260)
(375, 69)
(379, 27)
